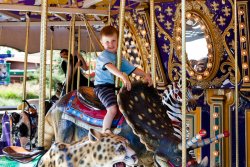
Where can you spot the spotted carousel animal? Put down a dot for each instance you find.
(96, 150)
(147, 125)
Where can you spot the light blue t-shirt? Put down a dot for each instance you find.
(102, 74)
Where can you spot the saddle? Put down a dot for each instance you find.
(21, 155)
(84, 106)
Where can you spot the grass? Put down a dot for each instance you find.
(12, 94)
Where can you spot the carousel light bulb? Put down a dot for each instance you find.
(178, 38)
(216, 141)
(241, 12)
(246, 79)
(179, 29)
(207, 36)
(188, 15)
(129, 50)
(210, 55)
(203, 27)
(206, 73)
(125, 35)
(244, 52)
(179, 47)
(149, 55)
(215, 115)
(127, 43)
(216, 153)
(140, 21)
(137, 59)
(209, 46)
(209, 65)
(243, 39)
(242, 25)
(199, 77)
(244, 65)
(123, 52)
(129, 35)
(196, 19)
(143, 32)
(146, 44)
(132, 42)
(215, 127)
(191, 73)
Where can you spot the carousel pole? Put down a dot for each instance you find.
(120, 39)
(26, 58)
(236, 85)
(109, 17)
(68, 65)
(51, 60)
(78, 52)
(73, 51)
(183, 78)
(152, 24)
(89, 58)
(42, 85)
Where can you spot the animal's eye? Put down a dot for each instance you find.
(121, 148)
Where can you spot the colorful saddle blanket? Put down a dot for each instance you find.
(80, 109)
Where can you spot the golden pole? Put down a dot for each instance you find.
(236, 85)
(120, 39)
(109, 19)
(51, 61)
(73, 51)
(42, 84)
(26, 58)
(152, 24)
(78, 52)
(90, 49)
(68, 64)
(183, 78)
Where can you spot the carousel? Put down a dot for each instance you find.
(196, 113)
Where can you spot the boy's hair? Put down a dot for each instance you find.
(64, 50)
(108, 31)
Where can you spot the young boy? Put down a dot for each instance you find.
(105, 71)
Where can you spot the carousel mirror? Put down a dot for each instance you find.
(202, 48)
(196, 45)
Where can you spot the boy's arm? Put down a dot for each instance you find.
(146, 76)
(119, 74)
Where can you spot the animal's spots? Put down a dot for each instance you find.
(100, 157)
(142, 95)
(140, 117)
(99, 148)
(149, 110)
(81, 162)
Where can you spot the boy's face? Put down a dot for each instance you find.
(110, 43)
(64, 55)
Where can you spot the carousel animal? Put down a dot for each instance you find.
(143, 110)
(3, 71)
(96, 150)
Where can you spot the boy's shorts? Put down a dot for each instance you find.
(106, 95)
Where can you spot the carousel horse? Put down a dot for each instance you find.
(143, 110)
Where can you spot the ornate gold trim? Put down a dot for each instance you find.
(202, 13)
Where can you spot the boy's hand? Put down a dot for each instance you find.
(148, 79)
(126, 82)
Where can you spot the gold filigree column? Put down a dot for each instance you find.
(42, 85)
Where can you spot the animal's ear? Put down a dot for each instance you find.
(94, 135)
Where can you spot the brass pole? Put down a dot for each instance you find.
(236, 85)
(109, 19)
(120, 39)
(26, 58)
(90, 41)
(51, 61)
(68, 63)
(78, 52)
(183, 78)
(73, 51)
(42, 84)
(152, 24)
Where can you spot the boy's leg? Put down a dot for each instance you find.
(107, 121)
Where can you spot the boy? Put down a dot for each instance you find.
(105, 71)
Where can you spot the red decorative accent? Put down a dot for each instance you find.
(203, 132)
(226, 134)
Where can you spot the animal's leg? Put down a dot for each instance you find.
(66, 131)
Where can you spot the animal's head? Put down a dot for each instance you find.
(3, 71)
(173, 94)
(110, 149)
